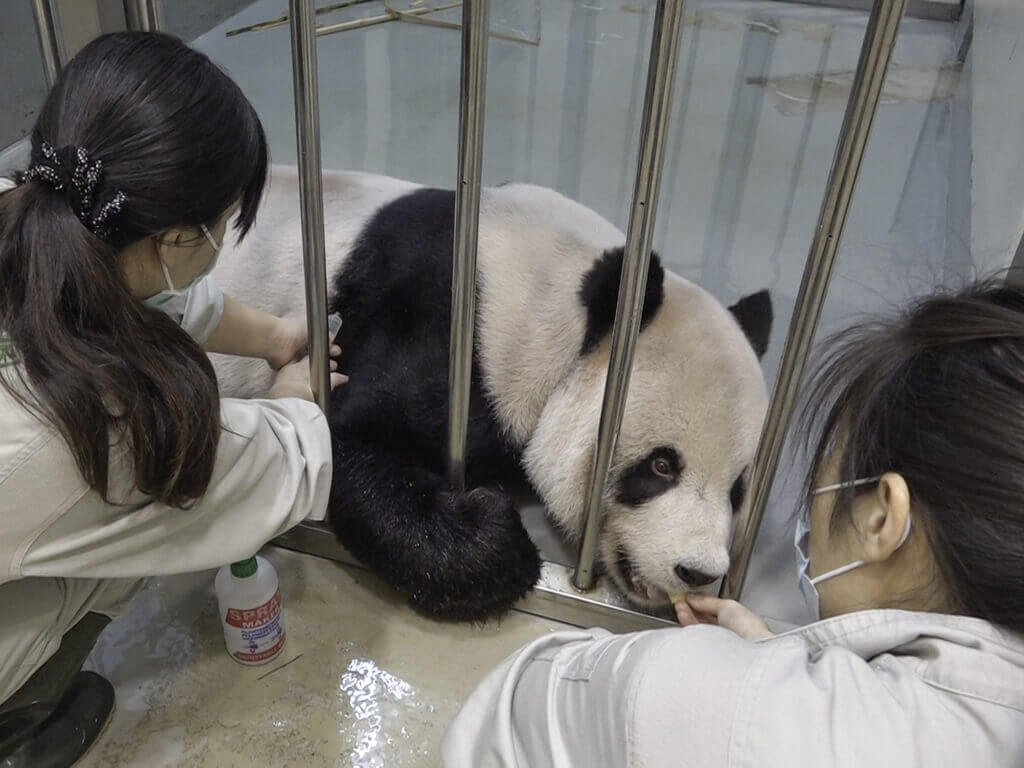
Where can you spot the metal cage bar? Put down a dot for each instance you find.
(472, 85)
(49, 45)
(143, 15)
(635, 262)
(1015, 275)
(307, 133)
(876, 52)
(554, 597)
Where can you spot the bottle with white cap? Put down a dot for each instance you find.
(249, 603)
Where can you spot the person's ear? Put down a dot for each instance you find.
(884, 517)
(175, 244)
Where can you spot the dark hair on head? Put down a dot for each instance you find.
(937, 395)
(178, 139)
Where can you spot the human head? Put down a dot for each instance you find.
(181, 145)
(931, 401)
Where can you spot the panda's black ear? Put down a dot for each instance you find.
(754, 314)
(600, 295)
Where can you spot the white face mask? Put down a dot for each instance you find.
(159, 299)
(802, 543)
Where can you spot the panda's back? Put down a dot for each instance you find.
(389, 258)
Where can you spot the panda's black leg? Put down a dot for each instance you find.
(463, 557)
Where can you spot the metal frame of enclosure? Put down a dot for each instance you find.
(49, 46)
(573, 596)
(927, 10)
(143, 15)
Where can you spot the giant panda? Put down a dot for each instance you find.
(547, 286)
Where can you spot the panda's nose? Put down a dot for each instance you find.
(693, 578)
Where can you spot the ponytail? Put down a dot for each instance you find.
(94, 361)
(139, 134)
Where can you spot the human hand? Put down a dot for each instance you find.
(292, 380)
(290, 341)
(707, 609)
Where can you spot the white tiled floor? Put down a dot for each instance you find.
(368, 683)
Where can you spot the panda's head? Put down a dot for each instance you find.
(697, 399)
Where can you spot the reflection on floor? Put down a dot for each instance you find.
(362, 680)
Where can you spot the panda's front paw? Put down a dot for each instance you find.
(491, 560)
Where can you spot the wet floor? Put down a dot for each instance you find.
(362, 681)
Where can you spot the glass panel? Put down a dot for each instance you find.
(759, 100)
(22, 65)
(908, 227)
(188, 19)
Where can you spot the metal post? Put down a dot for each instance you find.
(635, 263)
(144, 15)
(49, 46)
(1015, 275)
(307, 130)
(467, 220)
(876, 51)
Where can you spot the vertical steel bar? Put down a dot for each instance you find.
(1015, 275)
(876, 51)
(143, 15)
(49, 46)
(467, 221)
(302, 14)
(636, 260)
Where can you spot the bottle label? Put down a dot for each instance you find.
(257, 633)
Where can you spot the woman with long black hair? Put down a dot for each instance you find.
(118, 458)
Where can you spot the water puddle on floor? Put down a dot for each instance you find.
(382, 717)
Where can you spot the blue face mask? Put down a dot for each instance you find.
(802, 543)
(159, 299)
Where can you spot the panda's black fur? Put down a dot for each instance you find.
(458, 556)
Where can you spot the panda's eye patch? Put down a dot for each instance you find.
(651, 476)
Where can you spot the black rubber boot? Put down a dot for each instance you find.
(66, 735)
(57, 714)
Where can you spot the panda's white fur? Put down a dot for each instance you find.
(266, 271)
(696, 383)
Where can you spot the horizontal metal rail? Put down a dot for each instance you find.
(927, 10)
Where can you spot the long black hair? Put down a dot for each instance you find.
(178, 139)
(936, 394)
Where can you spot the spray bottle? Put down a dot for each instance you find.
(249, 603)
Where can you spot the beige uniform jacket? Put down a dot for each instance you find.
(64, 551)
(866, 690)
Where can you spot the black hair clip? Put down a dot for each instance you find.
(70, 170)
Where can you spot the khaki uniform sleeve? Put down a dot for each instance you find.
(569, 699)
(273, 470)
